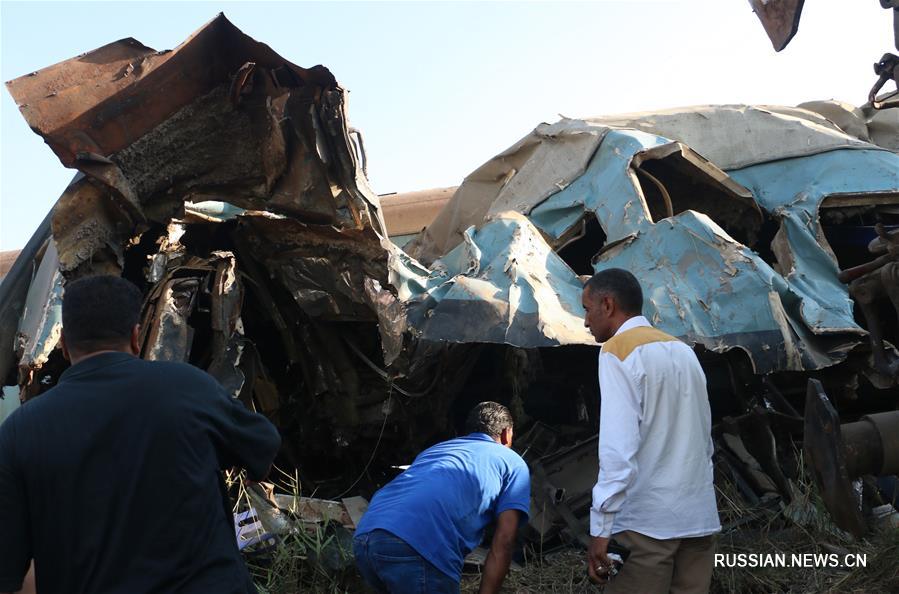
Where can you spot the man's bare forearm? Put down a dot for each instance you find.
(500, 556)
(495, 568)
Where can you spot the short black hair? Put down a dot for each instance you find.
(98, 312)
(490, 418)
(620, 283)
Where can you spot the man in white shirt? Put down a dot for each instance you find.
(655, 493)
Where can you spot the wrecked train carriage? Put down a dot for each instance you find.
(226, 183)
(239, 204)
(738, 241)
(738, 221)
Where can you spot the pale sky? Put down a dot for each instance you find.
(439, 88)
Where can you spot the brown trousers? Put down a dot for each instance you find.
(678, 566)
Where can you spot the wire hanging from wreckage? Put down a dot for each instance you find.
(388, 406)
(390, 378)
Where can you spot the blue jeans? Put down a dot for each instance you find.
(391, 566)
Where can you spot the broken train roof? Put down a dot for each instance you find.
(681, 197)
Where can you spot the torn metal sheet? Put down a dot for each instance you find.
(508, 286)
(793, 191)
(883, 126)
(847, 117)
(780, 18)
(766, 132)
(171, 251)
(683, 226)
(221, 117)
(611, 190)
(325, 269)
(392, 324)
(517, 179)
(166, 335)
(227, 299)
(227, 367)
(699, 286)
(14, 293)
(41, 325)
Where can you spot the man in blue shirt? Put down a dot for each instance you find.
(420, 526)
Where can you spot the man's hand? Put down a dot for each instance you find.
(598, 563)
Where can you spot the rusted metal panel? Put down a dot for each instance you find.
(780, 18)
(105, 100)
(221, 117)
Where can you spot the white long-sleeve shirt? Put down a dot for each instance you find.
(655, 444)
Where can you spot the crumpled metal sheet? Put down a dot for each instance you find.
(766, 132)
(706, 288)
(877, 126)
(221, 117)
(323, 268)
(41, 325)
(609, 189)
(168, 336)
(519, 178)
(702, 284)
(14, 294)
(792, 191)
(504, 284)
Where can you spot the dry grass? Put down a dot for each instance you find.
(558, 573)
(801, 527)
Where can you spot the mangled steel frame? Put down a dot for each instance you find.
(220, 117)
(226, 183)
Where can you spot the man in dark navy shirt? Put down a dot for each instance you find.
(111, 481)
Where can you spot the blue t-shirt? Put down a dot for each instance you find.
(441, 504)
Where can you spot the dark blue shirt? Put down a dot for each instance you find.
(111, 481)
(442, 503)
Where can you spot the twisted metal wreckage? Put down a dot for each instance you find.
(227, 184)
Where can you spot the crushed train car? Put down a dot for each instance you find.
(763, 235)
(228, 185)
